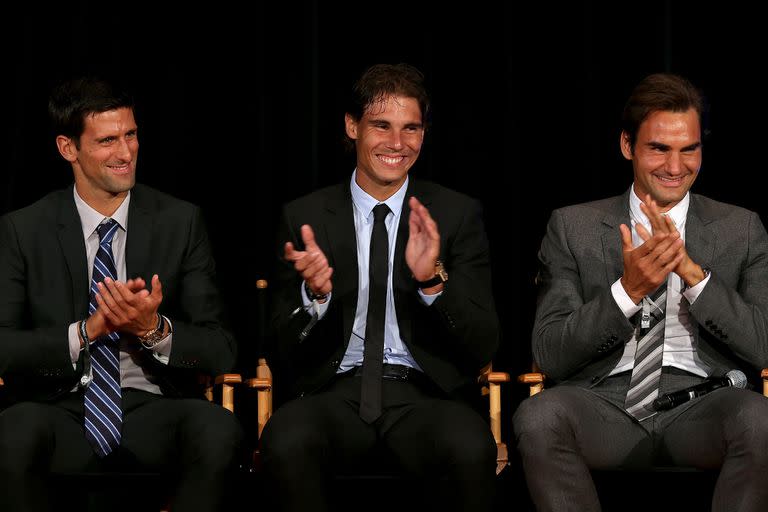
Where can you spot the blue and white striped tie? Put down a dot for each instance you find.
(103, 415)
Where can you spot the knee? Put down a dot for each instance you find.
(216, 439)
(748, 425)
(463, 440)
(473, 449)
(24, 433)
(540, 419)
(287, 438)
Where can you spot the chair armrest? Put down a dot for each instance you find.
(227, 381)
(491, 382)
(534, 379)
(263, 385)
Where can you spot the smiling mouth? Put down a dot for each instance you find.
(120, 169)
(390, 160)
(670, 181)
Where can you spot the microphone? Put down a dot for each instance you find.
(734, 378)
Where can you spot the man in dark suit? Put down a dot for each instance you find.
(641, 295)
(437, 325)
(153, 310)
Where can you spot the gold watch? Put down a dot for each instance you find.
(155, 336)
(440, 276)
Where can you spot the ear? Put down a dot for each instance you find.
(626, 145)
(351, 126)
(67, 148)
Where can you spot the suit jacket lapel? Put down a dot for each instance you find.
(138, 237)
(401, 274)
(617, 214)
(699, 239)
(70, 233)
(342, 241)
(402, 282)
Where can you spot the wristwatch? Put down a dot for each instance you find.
(312, 296)
(155, 336)
(440, 276)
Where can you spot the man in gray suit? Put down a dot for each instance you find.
(603, 266)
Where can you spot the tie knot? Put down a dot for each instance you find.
(380, 212)
(107, 231)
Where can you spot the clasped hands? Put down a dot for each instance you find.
(126, 307)
(421, 252)
(662, 252)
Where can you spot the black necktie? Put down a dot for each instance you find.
(373, 353)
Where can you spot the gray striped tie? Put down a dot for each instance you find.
(646, 374)
(103, 414)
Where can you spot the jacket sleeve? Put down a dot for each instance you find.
(733, 307)
(465, 311)
(24, 350)
(573, 326)
(200, 339)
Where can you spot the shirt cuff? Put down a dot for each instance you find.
(162, 351)
(693, 292)
(320, 308)
(429, 299)
(74, 342)
(622, 299)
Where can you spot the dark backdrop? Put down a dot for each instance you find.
(241, 109)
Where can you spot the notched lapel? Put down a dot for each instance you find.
(342, 241)
(138, 240)
(699, 240)
(612, 249)
(73, 246)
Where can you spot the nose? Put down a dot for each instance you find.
(395, 140)
(674, 162)
(123, 150)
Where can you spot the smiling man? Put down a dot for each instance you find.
(644, 294)
(384, 317)
(109, 311)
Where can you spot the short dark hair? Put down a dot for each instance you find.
(74, 99)
(659, 92)
(381, 80)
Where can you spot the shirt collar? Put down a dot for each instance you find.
(678, 213)
(365, 202)
(90, 218)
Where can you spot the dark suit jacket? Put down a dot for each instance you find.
(451, 340)
(580, 332)
(44, 288)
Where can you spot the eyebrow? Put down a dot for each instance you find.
(666, 147)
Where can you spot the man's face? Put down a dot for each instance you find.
(388, 140)
(105, 162)
(666, 157)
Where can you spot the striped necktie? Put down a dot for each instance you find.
(103, 416)
(646, 374)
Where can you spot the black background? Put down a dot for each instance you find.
(241, 108)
